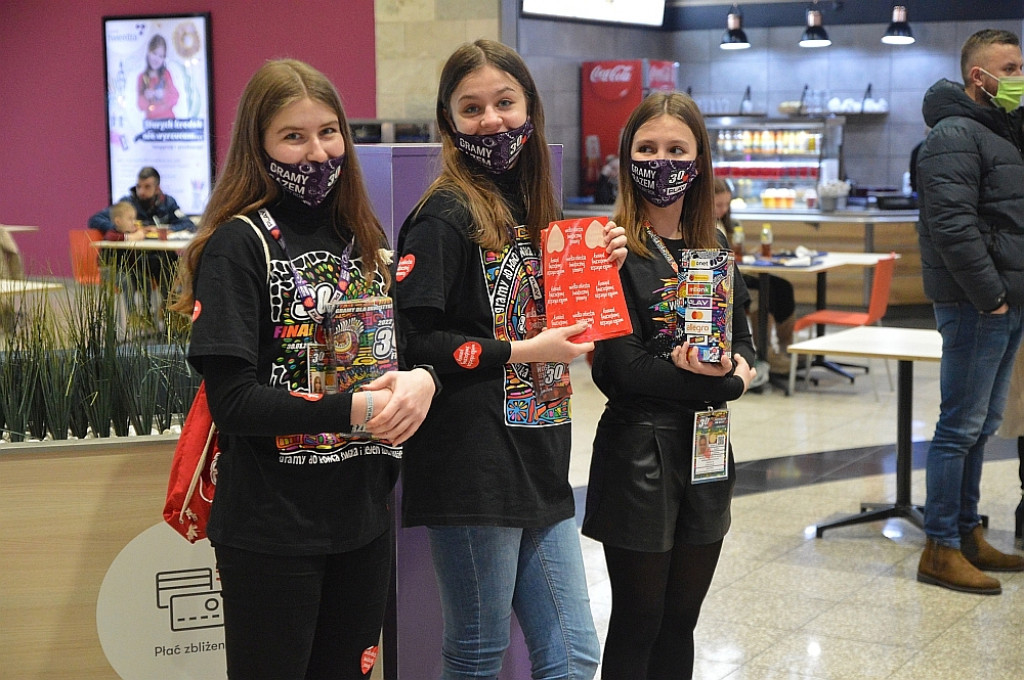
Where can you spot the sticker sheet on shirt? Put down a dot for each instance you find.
(300, 365)
(710, 459)
(512, 304)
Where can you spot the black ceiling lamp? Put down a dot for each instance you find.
(898, 32)
(734, 38)
(814, 35)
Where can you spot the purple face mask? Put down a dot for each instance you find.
(663, 182)
(497, 152)
(309, 182)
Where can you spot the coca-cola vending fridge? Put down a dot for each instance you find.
(610, 91)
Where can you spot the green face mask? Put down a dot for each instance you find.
(1011, 90)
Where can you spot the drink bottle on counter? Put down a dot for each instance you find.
(766, 241)
(737, 242)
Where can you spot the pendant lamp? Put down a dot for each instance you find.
(734, 38)
(814, 35)
(898, 32)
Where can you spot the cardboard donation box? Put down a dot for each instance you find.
(704, 302)
(580, 282)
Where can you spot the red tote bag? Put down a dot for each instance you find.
(193, 472)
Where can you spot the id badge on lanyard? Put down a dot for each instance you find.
(710, 458)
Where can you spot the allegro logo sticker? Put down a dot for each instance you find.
(197, 309)
(405, 265)
(468, 355)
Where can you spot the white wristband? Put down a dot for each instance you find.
(369, 407)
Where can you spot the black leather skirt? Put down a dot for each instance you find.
(640, 496)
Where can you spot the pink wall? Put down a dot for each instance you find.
(52, 104)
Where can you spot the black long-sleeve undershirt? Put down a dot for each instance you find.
(241, 405)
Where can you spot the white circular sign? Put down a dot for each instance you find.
(159, 612)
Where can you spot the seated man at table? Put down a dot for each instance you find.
(153, 209)
(152, 206)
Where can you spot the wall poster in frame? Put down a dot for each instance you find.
(159, 108)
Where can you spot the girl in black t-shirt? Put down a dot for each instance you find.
(487, 473)
(662, 533)
(300, 521)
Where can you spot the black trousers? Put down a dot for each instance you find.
(304, 618)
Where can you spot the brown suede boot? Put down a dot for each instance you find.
(948, 568)
(982, 555)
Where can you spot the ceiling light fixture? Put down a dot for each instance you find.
(898, 32)
(814, 35)
(734, 37)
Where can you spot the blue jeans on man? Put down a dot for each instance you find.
(485, 573)
(978, 352)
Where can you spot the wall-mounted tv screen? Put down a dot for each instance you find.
(640, 12)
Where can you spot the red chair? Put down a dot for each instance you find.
(85, 258)
(881, 284)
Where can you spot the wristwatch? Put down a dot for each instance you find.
(433, 376)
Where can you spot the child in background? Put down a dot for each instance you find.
(131, 273)
(126, 227)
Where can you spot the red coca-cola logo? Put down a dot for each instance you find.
(620, 73)
(612, 81)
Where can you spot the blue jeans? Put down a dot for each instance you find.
(486, 573)
(978, 351)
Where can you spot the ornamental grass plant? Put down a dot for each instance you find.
(72, 367)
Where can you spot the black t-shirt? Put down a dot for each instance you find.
(488, 453)
(291, 479)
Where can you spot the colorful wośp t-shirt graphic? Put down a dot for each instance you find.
(364, 348)
(665, 318)
(507, 275)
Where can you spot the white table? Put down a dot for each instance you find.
(819, 267)
(171, 245)
(17, 227)
(905, 345)
(21, 286)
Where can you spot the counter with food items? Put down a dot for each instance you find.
(854, 229)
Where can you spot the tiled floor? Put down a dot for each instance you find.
(847, 606)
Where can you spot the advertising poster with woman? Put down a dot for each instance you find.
(158, 104)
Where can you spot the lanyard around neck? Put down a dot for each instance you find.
(302, 287)
(660, 245)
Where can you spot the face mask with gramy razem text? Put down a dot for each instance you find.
(1011, 90)
(310, 181)
(495, 152)
(662, 181)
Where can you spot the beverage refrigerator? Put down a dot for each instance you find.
(610, 90)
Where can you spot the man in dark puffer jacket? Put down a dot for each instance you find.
(971, 230)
